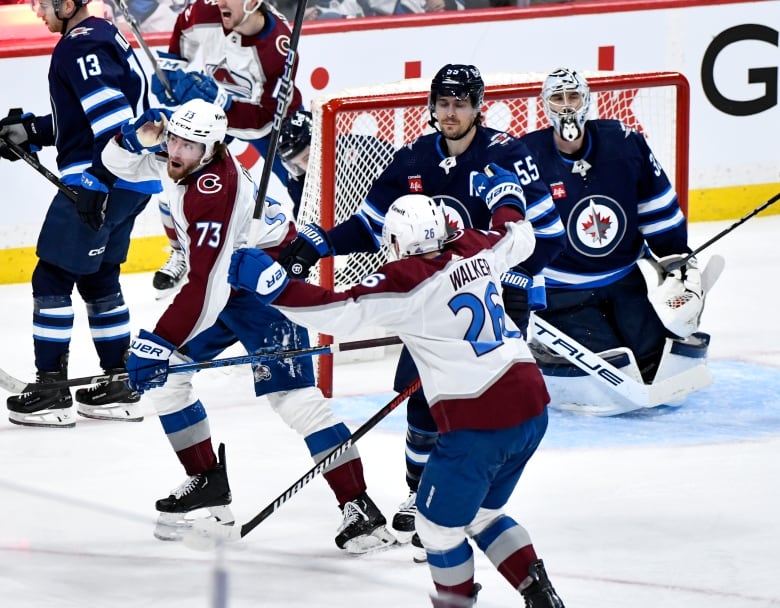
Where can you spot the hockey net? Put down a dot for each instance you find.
(356, 131)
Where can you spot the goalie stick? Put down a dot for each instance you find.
(208, 534)
(14, 385)
(32, 160)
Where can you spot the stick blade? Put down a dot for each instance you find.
(208, 534)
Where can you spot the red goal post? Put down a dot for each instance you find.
(377, 120)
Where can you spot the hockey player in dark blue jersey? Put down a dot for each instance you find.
(616, 202)
(95, 84)
(444, 165)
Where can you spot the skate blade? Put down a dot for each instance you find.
(208, 534)
(378, 540)
(403, 536)
(161, 294)
(175, 526)
(62, 418)
(121, 412)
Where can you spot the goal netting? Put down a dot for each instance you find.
(356, 131)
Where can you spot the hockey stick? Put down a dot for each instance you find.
(15, 385)
(723, 233)
(643, 395)
(131, 21)
(32, 160)
(207, 533)
(284, 95)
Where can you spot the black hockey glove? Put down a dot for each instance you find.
(305, 251)
(19, 128)
(93, 197)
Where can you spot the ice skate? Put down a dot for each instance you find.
(419, 556)
(48, 408)
(363, 529)
(403, 520)
(209, 490)
(452, 600)
(167, 279)
(110, 400)
(540, 593)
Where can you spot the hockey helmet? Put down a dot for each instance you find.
(566, 101)
(294, 137)
(199, 121)
(457, 80)
(414, 224)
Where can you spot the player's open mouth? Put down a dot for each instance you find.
(226, 14)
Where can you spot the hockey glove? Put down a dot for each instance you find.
(522, 294)
(19, 128)
(255, 270)
(194, 85)
(172, 67)
(145, 134)
(93, 198)
(497, 186)
(305, 251)
(147, 363)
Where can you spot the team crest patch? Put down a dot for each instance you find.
(455, 212)
(79, 31)
(209, 183)
(262, 373)
(596, 226)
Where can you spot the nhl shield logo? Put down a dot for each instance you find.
(596, 226)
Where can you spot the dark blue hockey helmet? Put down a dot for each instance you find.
(295, 134)
(457, 80)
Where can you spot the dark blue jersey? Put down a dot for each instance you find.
(423, 167)
(96, 83)
(613, 200)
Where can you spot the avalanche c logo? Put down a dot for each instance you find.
(282, 45)
(596, 226)
(208, 183)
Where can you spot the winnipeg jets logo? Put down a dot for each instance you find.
(580, 167)
(79, 31)
(448, 163)
(596, 226)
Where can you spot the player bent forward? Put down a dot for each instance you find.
(443, 297)
(212, 202)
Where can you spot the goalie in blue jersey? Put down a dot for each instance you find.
(95, 84)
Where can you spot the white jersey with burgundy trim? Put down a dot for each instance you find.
(212, 212)
(476, 369)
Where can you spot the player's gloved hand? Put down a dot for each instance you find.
(145, 134)
(19, 127)
(255, 270)
(522, 294)
(172, 67)
(497, 186)
(93, 197)
(195, 85)
(147, 363)
(302, 253)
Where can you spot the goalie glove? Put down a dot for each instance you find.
(144, 135)
(255, 270)
(305, 251)
(497, 187)
(675, 292)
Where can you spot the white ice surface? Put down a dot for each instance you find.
(678, 509)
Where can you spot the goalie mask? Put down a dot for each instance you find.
(457, 80)
(566, 101)
(201, 122)
(294, 138)
(676, 295)
(414, 224)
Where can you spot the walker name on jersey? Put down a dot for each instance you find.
(469, 271)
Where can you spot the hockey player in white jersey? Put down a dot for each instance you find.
(212, 202)
(443, 298)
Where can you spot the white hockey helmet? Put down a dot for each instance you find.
(414, 224)
(566, 101)
(199, 121)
